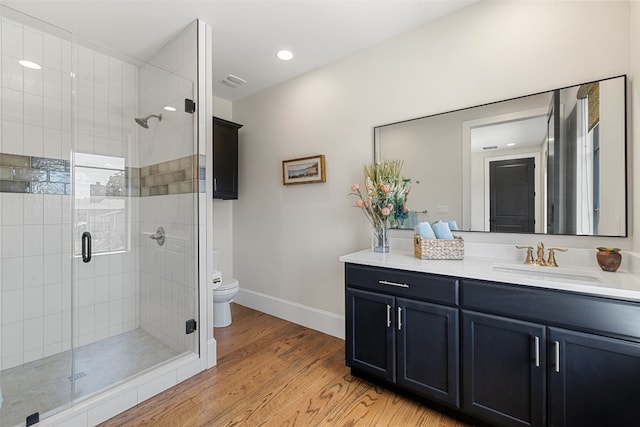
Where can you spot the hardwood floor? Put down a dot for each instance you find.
(272, 372)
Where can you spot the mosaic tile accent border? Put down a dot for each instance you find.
(35, 175)
(40, 175)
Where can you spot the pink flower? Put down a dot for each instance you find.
(367, 203)
(385, 188)
(355, 187)
(359, 203)
(405, 208)
(385, 211)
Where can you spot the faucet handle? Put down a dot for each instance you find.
(529, 249)
(552, 257)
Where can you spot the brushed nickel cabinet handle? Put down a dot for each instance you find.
(400, 285)
(537, 351)
(557, 351)
(399, 318)
(388, 316)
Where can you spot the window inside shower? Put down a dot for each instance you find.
(74, 163)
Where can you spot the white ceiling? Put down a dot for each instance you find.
(246, 33)
(529, 132)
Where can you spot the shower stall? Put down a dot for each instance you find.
(98, 215)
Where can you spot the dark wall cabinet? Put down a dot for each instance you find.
(528, 356)
(225, 159)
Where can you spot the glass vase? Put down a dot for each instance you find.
(381, 238)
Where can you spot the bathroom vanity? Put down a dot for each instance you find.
(509, 347)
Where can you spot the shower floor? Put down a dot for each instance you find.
(45, 384)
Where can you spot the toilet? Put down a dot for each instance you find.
(222, 298)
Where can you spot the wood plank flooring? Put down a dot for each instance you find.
(272, 372)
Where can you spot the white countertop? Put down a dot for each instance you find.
(589, 280)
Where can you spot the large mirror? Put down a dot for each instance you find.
(552, 163)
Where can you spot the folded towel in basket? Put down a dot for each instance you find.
(424, 229)
(442, 230)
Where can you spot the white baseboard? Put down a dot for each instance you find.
(309, 317)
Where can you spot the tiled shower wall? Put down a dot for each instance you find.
(36, 123)
(168, 274)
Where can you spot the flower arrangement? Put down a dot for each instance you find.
(385, 201)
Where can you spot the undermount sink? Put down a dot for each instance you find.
(548, 273)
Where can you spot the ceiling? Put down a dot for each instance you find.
(246, 33)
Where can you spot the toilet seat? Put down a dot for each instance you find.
(227, 286)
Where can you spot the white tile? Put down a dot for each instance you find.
(33, 109)
(86, 293)
(115, 127)
(12, 209)
(33, 81)
(101, 97)
(12, 105)
(33, 271)
(52, 266)
(52, 204)
(12, 339)
(115, 287)
(115, 314)
(33, 333)
(101, 68)
(33, 140)
(52, 52)
(86, 144)
(101, 293)
(129, 80)
(33, 302)
(12, 274)
(85, 120)
(52, 239)
(12, 38)
(112, 407)
(115, 100)
(53, 296)
(33, 43)
(101, 123)
(66, 116)
(51, 349)
(52, 114)
(52, 84)
(33, 240)
(129, 310)
(12, 306)
(12, 241)
(115, 263)
(33, 355)
(102, 317)
(85, 63)
(12, 137)
(157, 385)
(12, 361)
(86, 320)
(33, 209)
(115, 73)
(85, 93)
(102, 145)
(12, 73)
(52, 142)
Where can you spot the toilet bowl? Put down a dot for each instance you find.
(222, 298)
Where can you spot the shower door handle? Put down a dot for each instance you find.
(86, 246)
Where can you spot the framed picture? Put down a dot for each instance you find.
(305, 170)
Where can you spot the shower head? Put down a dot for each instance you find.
(143, 121)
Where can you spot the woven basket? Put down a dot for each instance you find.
(438, 248)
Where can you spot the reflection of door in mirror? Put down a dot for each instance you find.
(511, 195)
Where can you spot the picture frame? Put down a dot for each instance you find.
(304, 170)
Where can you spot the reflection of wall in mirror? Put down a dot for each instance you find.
(612, 159)
(431, 152)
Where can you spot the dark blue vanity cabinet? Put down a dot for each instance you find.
(402, 327)
(526, 356)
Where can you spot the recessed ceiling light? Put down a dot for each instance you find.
(284, 55)
(511, 144)
(29, 64)
(169, 108)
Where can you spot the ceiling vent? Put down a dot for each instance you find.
(233, 81)
(490, 147)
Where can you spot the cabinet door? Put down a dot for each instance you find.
(503, 370)
(370, 335)
(427, 339)
(593, 380)
(225, 159)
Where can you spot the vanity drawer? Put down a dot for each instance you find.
(553, 307)
(422, 286)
